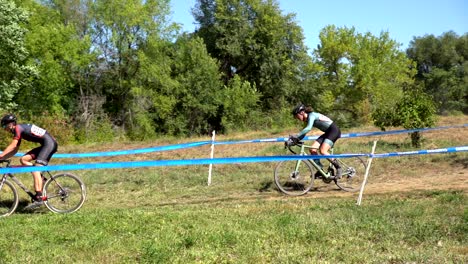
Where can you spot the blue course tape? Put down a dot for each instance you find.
(391, 132)
(349, 135)
(421, 152)
(127, 152)
(201, 143)
(159, 163)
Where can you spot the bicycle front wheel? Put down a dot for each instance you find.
(65, 193)
(291, 181)
(352, 174)
(8, 199)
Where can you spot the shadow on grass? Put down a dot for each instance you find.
(267, 191)
(462, 161)
(22, 205)
(267, 186)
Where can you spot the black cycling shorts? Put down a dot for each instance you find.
(333, 133)
(43, 153)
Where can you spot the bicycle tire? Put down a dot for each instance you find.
(352, 174)
(65, 193)
(291, 183)
(8, 199)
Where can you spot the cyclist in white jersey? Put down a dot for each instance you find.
(313, 119)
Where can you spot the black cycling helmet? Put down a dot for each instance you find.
(8, 119)
(298, 109)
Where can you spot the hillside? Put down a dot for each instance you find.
(387, 175)
(413, 210)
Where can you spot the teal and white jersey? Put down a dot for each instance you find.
(316, 120)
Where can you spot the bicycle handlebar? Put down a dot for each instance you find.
(7, 161)
(288, 144)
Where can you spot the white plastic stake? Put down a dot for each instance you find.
(369, 162)
(211, 156)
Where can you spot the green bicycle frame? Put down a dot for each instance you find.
(320, 169)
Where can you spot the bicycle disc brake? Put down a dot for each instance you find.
(63, 193)
(294, 175)
(351, 172)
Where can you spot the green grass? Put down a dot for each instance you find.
(170, 215)
(425, 227)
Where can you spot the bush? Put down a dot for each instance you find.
(239, 102)
(415, 110)
(97, 130)
(58, 125)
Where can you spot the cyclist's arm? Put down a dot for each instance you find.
(308, 128)
(11, 150)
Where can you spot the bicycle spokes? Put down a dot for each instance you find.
(8, 199)
(352, 174)
(293, 177)
(65, 193)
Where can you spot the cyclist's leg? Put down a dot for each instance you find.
(42, 155)
(26, 160)
(332, 134)
(314, 151)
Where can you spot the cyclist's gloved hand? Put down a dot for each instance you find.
(293, 140)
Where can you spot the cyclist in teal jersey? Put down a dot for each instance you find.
(313, 119)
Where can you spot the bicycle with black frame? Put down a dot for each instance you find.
(297, 177)
(61, 193)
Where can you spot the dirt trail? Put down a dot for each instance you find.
(453, 178)
(456, 180)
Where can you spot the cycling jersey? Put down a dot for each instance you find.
(324, 124)
(317, 120)
(31, 133)
(39, 135)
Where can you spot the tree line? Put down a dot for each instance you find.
(97, 69)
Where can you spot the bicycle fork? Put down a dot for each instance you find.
(295, 173)
(3, 182)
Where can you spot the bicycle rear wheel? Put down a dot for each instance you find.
(352, 174)
(8, 199)
(65, 193)
(292, 182)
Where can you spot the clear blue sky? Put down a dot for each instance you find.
(403, 19)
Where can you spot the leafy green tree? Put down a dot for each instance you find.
(73, 12)
(59, 55)
(199, 86)
(414, 110)
(252, 39)
(78, 64)
(119, 30)
(180, 94)
(239, 100)
(361, 72)
(442, 64)
(151, 97)
(15, 73)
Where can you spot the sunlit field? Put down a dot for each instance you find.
(414, 208)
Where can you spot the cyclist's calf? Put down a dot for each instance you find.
(26, 160)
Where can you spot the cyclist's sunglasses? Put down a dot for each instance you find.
(5, 125)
